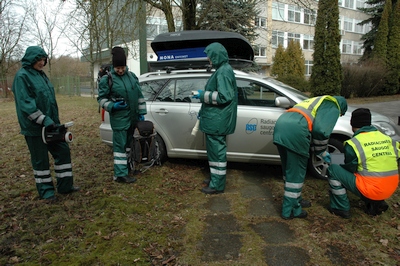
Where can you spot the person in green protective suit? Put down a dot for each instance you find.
(218, 115)
(370, 168)
(36, 107)
(126, 105)
(307, 125)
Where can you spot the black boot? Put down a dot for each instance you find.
(341, 213)
(208, 190)
(376, 207)
(302, 215)
(125, 179)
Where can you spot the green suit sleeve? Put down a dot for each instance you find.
(104, 94)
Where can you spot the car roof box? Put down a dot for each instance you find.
(185, 49)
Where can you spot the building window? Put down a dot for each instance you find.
(308, 42)
(358, 28)
(348, 24)
(309, 65)
(261, 22)
(294, 14)
(260, 51)
(360, 4)
(309, 17)
(293, 37)
(155, 26)
(358, 48)
(346, 47)
(349, 4)
(278, 11)
(278, 37)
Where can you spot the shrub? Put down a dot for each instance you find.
(296, 82)
(364, 80)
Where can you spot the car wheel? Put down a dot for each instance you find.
(317, 167)
(161, 148)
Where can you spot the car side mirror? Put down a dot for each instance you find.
(282, 102)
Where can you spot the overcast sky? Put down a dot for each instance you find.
(64, 46)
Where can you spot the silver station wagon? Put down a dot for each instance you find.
(261, 100)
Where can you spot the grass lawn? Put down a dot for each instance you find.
(155, 221)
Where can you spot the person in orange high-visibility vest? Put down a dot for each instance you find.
(307, 125)
(370, 169)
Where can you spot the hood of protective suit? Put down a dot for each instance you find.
(32, 55)
(217, 54)
(342, 103)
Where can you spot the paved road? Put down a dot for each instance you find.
(390, 109)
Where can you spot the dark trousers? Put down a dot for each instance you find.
(41, 167)
(121, 145)
(294, 168)
(216, 153)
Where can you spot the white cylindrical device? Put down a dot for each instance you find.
(68, 137)
(196, 128)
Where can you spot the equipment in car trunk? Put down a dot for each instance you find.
(144, 151)
(58, 133)
(185, 49)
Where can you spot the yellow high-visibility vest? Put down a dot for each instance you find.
(377, 173)
(308, 108)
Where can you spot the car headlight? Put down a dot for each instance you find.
(385, 128)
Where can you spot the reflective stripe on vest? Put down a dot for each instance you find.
(377, 164)
(308, 108)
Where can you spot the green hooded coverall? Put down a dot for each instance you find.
(294, 139)
(37, 108)
(218, 112)
(123, 122)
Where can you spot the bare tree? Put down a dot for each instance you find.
(47, 26)
(11, 35)
(221, 15)
(166, 7)
(95, 26)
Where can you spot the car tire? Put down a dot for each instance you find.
(161, 146)
(317, 167)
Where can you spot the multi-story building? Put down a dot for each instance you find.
(281, 21)
(277, 23)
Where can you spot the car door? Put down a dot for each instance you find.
(257, 115)
(174, 112)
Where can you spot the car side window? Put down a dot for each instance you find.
(184, 88)
(167, 94)
(151, 88)
(254, 94)
(180, 90)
